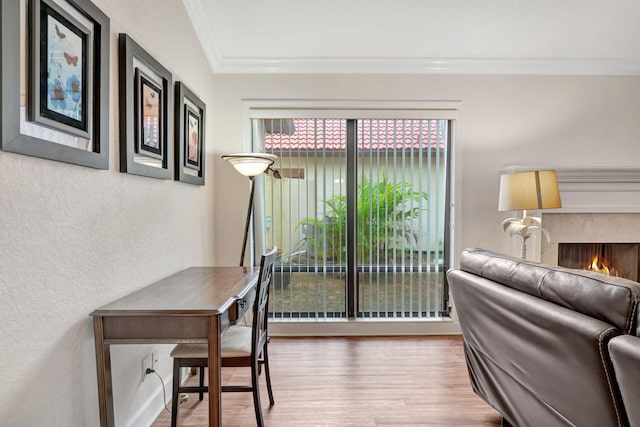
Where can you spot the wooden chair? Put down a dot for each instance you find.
(241, 346)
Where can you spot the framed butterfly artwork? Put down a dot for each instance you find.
(60, 55)
(55, 104)
(189, 136)
(146, 127)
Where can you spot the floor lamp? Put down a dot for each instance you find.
(522, 191)
(250, 165)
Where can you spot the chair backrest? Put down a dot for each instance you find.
(261, 302)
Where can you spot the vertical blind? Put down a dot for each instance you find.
(399, 220)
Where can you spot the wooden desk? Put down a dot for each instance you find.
(195, 305)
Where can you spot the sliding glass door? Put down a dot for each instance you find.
(358, 211)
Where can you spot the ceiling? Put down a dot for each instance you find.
(597, 37)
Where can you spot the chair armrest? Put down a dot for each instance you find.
(625, 356)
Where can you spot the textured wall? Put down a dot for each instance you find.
(75, 238)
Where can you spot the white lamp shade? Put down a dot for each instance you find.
(250, 164)
(530, 190)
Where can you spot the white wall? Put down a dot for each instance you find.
(74, 238)
(543, 121)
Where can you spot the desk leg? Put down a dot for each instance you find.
(103, 364)
(215, 374)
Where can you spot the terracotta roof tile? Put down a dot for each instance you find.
(330, 135)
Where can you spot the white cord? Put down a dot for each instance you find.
(164, 394)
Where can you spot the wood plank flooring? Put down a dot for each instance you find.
(354, 381)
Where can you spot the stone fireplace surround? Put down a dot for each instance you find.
(599, 206)
(588, 228)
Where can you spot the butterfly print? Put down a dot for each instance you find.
(71, 60)
(58, 91)
(60, 33)
(149, 102)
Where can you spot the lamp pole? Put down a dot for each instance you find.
(248, 221)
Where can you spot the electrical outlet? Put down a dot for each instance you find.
(154, 360)
(147, 363)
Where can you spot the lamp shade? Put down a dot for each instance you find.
(250, 164)
(529, 190)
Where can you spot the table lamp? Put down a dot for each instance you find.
(525, 191)
(250, 165)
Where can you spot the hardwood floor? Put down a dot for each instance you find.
(349, 381)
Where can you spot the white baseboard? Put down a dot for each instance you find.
(363, 327)
(153, 406)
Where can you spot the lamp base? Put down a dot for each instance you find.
(523, 227)
(523, 248)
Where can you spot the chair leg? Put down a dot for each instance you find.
(201, 394)
(174, 393)
(256, 393)
(265, 357)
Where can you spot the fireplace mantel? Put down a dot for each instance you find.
(599, 176)
(599, 190)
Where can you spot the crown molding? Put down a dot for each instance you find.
(486, 66)
(223, 60)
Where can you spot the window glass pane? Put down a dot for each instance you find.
(304, 216)
(401, 217)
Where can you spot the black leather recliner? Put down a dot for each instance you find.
(537, 341)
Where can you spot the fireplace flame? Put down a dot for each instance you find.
(601, 267)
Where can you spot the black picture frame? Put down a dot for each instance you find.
(139, 71)
(95, 126)
(190, 115)
(148, 116)
(60, 51)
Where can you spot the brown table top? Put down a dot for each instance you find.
(195, 291)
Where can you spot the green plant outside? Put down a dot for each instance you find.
(385, 223)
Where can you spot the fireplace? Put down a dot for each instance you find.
(600, 206)
(613, 237)
(616, 259)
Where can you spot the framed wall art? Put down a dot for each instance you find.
(65, 77)
(145, 125)
(148, 116)
(189, 136)
(60, 50)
